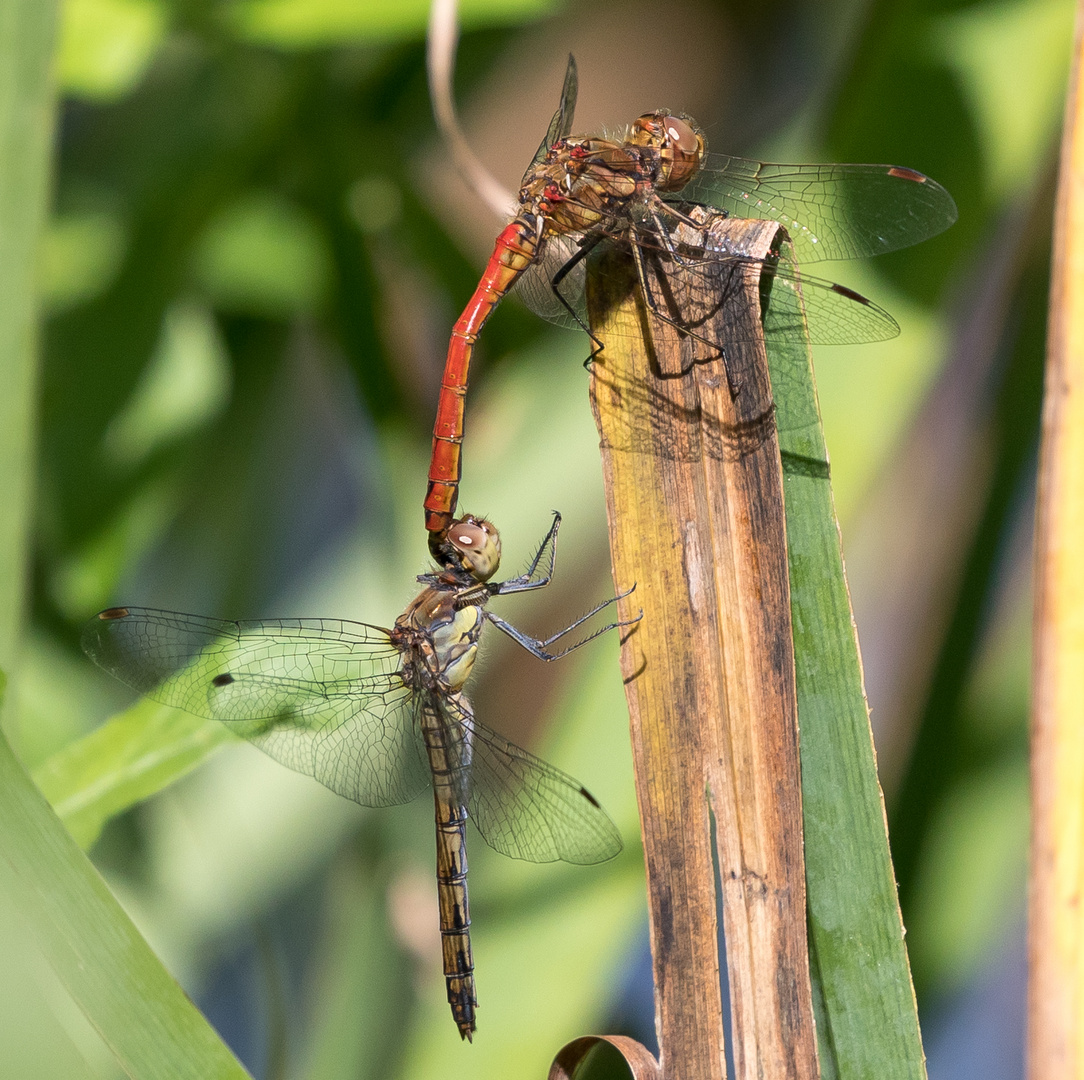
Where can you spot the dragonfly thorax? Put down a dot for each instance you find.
(439, 640)
(585, 181)
(580, 183)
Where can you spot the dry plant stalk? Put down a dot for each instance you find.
(1056, 908)
(695, 502)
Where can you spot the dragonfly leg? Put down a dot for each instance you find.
(667, 241)
(538, 647)
(530, 578)
(587, 245)
(656, 309)
(666, 236)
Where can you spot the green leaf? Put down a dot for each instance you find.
(145, 1018)
(106, 45)
(306, 23)
(1018, 121)
(133, 756)
(263, 256)
(80, 256)
(26, 130)
(867, 1018)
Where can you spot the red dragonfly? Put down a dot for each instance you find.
(378, 714)
(582, 190)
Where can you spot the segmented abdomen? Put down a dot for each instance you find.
(448, 746)
(515, 250)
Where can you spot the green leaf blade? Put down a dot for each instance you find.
(133, 756)
(152, 1028)
(867, 1015)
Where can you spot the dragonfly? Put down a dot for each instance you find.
(582, 190)
(377, 714)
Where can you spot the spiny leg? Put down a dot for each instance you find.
(655, 308)
(664, 234)
(537, 647)
(587, 245)
(527, 580)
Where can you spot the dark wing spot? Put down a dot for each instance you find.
(850, 294)
(590, 798)
(222, 680)
(113, 613)
(907, 174)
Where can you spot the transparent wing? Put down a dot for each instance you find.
(535, 289)
(523, 807)
(830, 211)
(690, 292)
(836, 314)
(561, 124)
(322, 696)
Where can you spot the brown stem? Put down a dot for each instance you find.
(1056, 900)
(694, 497)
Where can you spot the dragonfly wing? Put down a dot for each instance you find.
(691, 292)
(525, 808)
(830, 211)
(836, 315)
(535, 285)
(322, 696)
(689, 282)
(561, 124)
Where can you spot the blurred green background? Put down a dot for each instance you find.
(256, 249)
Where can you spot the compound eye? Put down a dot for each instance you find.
(467, 535)
(680, 134)
(479, 544)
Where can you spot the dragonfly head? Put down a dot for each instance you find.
(680, 144)
(471, 544)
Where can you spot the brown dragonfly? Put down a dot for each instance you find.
(378, 714)
(582, 190)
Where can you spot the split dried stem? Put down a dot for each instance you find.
(695, 502)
